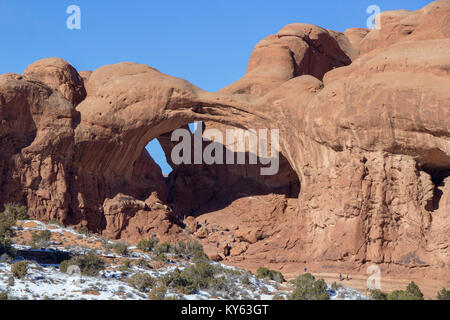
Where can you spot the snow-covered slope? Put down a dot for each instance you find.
(46, 281)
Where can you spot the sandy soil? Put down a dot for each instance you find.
(429, 287)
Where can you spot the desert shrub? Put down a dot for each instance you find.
(335, 286)
(163, 247)
(8, 219)
(3, 295)
(126, 266)
(5, 246)
(142, 281)
(20, 269)
(142, 263)
(200, 275)
(264, 273)
(84, 230)
(181, 247)
(378, 295)
(17, 211)
(412, 293)
(120, 248)
(245, 280)
(40, 239)
(177, 280)
(7, 222)
(188, 249)
(193, 246)
(161, 258)
(158, 293)
(308, 288)
(203, 269)
(398, 295)
(147, 245)
(90, 264)
(199, 256)
(444, 294)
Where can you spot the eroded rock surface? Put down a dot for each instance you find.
(364, 120)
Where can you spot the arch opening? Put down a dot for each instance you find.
(197, 189)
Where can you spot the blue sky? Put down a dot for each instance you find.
(203, 41)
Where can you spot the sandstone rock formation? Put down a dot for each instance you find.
(364, 120)
(58, 75)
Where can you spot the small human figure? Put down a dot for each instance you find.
(226, 250)
(340, 276)
(218, 244)
(348, 278)
(305, 270)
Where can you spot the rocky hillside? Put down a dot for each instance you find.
(118, 271)
(364, 120)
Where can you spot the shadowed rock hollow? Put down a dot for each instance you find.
(364, 120)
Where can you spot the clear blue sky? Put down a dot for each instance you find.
(206, 42)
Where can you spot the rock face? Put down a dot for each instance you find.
(364, 120)
(297, 49)
(59, 75)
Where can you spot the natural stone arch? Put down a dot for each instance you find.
(129, 105)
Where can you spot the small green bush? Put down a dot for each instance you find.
(84, 230)
(3, 295)
(444, 294)
(126, 266)
(158, 293)
(5, 246)
(8, 219)
(245, 280)
(335, 286)
(200, 275)
(142, 263)
(192, 247)
(378, 295)
(40, 239)
(199, 256)
(142, 281)
(190, 250)
(7, 222)
(121, 248)
(161, 258)
(147, 245)
(17, 211)
(412, 293)
(264, 273)
(90, 265)
(20, 269)
(308, 288)
(164, 247)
